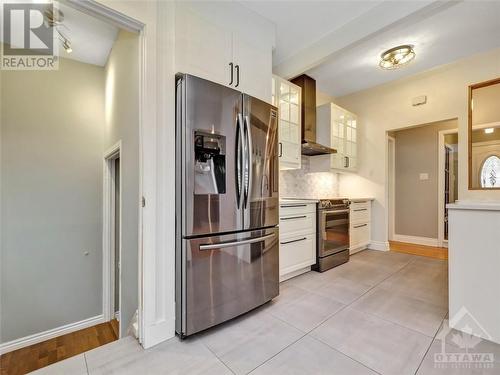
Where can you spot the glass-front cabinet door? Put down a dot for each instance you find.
(343, 135)
(287, 97)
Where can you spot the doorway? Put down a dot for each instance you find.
(421, 179)
(112, 237)
(448, 179)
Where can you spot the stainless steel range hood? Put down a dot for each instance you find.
(309, 145)
(312, 149)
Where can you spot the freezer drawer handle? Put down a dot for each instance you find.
(293, 217)
(223, 245)
(360, 226)
(300, 239)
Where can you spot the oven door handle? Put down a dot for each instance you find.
(336, 212)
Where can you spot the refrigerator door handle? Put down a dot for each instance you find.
(239, 159)
(223, 245)
(248, 161)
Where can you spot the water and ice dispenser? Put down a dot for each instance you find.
(210, 163)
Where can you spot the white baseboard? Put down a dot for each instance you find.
(298, 272)
(426, 241)
(379, 245)
(50, 334)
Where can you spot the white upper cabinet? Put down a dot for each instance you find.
(202, 48)
(340, 126)
(253, 67)
(211, 46)
(287, 97)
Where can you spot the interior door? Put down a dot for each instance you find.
(261, 195)
(226, 276)
(212, 151)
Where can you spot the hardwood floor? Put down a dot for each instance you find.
(426, 251)
(39, 355)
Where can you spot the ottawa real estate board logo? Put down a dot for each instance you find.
(27, 39)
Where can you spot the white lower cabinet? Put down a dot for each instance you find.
(360, 225)
(297, 238)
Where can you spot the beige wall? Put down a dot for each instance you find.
(416, 201)
(122, 123)
(388, 107)
(486, 108)
(51, 197)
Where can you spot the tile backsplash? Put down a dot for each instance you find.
(301, 183)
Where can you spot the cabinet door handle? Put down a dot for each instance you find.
(281, 149)
(294, 217)
(360, 226)
(231, 65)
(300, 239)
(346, 162)
(361, 209)
(237, 75)
(294, 205)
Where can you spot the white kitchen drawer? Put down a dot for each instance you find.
(360, 213)
(299, 223)
(291, 208)
(360, 204)
(359, 235)
(297, 252)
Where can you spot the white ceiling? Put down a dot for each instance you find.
(300, 23)
(344, 59)
(91, 38)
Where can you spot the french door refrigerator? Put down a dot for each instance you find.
(227, 204)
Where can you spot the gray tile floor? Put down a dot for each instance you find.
(379, 313)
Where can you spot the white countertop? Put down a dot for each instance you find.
(311, 200)
(298, 200)
(475, 205)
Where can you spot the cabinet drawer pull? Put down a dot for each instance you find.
(361, 209)
(300, 239)
(295, 205)
(360, 226)
(293, 217)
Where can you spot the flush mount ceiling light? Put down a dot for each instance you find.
(489, 130)
(396, 57)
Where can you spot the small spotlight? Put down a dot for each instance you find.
(67, 46)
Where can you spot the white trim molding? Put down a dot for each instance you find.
(441, 183)
(379, 245)
(426, 241)
(49, 334)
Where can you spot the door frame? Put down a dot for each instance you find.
(155, 24)
(391, 188)
(441, 163)
(108, 233)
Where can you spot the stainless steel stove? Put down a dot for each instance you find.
(333, 233)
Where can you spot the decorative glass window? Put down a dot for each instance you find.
(490, 172)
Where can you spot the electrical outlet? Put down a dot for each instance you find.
(424, 176)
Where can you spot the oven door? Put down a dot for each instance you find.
(333, 231)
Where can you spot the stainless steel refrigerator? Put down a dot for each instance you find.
(227, 204)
